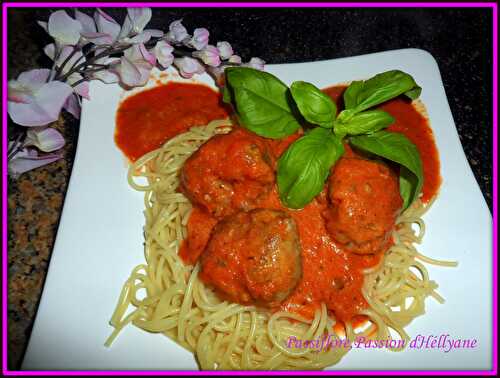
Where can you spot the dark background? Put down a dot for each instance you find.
(459, 39)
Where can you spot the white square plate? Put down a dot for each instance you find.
(100, 240)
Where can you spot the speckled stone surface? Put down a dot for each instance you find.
(459, 39)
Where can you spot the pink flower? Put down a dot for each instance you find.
(136, 21)
(199, 39)
(35, 102)
(132, 30)
(135, 66)
(209, 55)
(64, 29)
(236, 59)
(107, 29)
(50, 50)
(72, 106)
(177, 32)
(81, 89)
(225, 50)
(44, 138)
(64, 53)
(163, 52)
(155, 33)
(44, 25)
(28, 159)
(256, 63)
(108, 76)
(188, 67)
(87, 22)
(97, 38)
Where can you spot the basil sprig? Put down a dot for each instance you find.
(363, 123)
(304, 166)
(361, 95)
(267, 107)
(397, 148)
(262, 102)
(315, 106)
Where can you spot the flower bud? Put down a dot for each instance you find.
(209, 55)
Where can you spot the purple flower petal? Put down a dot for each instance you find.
(50, 50)
(177, 32)
(200, 39)
(38, 76)
(66, 51)
(126, 29)
(225, 50)
(45, 108)
(135, 22)
(87, 22)
(106, 76)
(155, 33)
(30, 81)
(133, 53)
(188, 67)
(139, 17)
(163, 52)
(256, 63)
(129, 73)
(64, 29)
(44, 25)
(209, 55)
(19, 164)
(72, 106)
(98, 38)
(136, 59)
(19, 93)
(145, 71)
(143, 37)
(81, 89)
(147, 55)
(235, 59)
(138, 53)
(25, 152)
(45, 139)
(106, 24)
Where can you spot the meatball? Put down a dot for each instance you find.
(364, 202)
(229, 173)
(254, 257)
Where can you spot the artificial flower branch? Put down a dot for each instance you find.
(99, 48)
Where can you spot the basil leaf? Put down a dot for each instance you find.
(315, 106)
(398, 148)
(361, 95)
(305, 166)
(351, 94)
(365, 122)
(408, 184)
(261, 102)
(226, 94)
(414, 93)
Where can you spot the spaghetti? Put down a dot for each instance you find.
(168, 297)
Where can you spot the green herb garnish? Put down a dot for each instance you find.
(266, 106)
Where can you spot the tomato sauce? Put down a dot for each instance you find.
(415, 127)
(148, 119)
(330, 274)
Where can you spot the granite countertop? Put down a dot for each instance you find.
(459, 39)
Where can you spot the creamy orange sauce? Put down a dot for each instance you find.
(413, 125)
(330, 274)
(145, 121)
